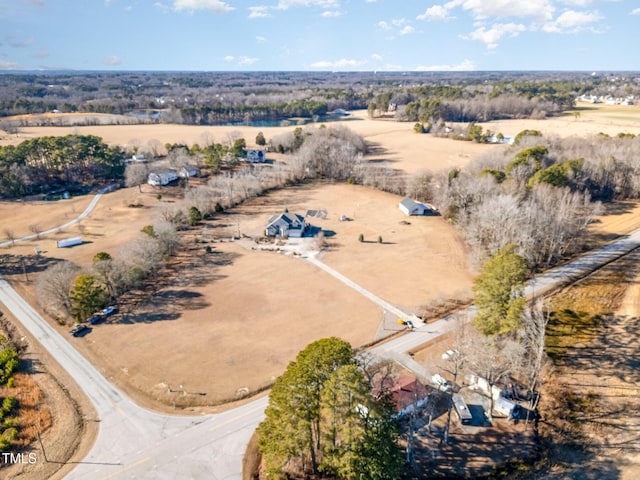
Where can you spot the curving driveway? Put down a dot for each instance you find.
(136, 443)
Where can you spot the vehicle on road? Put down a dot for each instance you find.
(109, 311)
(97, 318)
(78, 329)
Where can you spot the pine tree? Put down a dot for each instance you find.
(499, 292)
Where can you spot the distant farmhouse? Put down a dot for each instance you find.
(287, 225)
(411, 207)
(162, 178)
(256, 156)
(138, 158)
(188, 171)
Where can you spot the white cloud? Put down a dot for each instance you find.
(287, 4)
(407, 30)
(464, 66)
(572, 21)
(538, 9)
(436, 13)
(261, 39)
(41, 54)
(635, 11)
(332, 13)
(376, 57)
(492, 36)
(400, 23)
(112, 61)
(259, 12)
(217, 6)
(247, 61)
(229, 58)
(577, 3)
(343, 63)
(162, 6)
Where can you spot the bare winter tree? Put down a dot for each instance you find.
(136, 174)
(454, 361)
(536, 364)
(54, 288)
(36, 229)
(139, 260)
(155, 147)
(492, 359)
(167, 236)
(10, 235)
(380, 373)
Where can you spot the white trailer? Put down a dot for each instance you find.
(69, 242)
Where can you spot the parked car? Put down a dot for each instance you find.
(109, 311)
(78, 329)
(97, 318)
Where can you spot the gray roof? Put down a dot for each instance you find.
(408, 203)
(289, 218)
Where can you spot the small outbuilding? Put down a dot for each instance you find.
(411, 207)
(286, 225)
(188, 171)
(256, 156)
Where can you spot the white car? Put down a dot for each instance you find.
(449, 354)
(441, 383)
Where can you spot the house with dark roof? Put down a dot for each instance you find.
(286, 225)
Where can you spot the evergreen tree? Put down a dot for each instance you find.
(87, 297)
(499, 292)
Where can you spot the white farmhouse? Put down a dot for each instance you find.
(162, 178)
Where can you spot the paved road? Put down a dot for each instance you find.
(550, 279)
(136, 443)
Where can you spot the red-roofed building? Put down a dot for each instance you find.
(407, 394)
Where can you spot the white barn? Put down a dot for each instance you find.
(411, 207)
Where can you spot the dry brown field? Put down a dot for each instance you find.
(392, 142)
(242, 315)
(585, 119)
(257, 309)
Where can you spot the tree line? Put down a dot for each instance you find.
(211, 98)
(43, 164)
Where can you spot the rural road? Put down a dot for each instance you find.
(136, 443)
(79, 218)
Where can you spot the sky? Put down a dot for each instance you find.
(320, 35)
